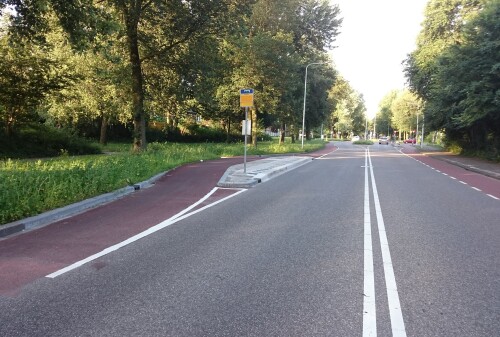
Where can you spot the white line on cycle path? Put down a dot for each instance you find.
(177, 217)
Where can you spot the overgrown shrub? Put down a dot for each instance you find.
(38, 140)
(193, 133)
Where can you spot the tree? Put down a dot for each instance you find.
(28, 75)
(270, 54)
(385, 113)
(466, 95)
(152, 29)
(406, 108)
(455, 69)
(100, 92)
(348, 114)
(442, 26)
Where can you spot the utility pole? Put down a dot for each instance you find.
(304, 110)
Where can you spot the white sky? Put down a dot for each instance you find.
(375, 38)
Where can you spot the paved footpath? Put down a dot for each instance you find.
(33, 254)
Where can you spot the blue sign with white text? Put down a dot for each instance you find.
(246, 91)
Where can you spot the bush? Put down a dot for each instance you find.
(194, 133)
(38, 140)
(363, 142)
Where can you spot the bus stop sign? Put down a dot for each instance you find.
(246, 98)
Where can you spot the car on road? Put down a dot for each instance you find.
(410, 141)
(355, 139)
(383, 140)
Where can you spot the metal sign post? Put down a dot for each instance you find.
(246, 101)
(245, 131)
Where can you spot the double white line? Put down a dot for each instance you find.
(369, 305)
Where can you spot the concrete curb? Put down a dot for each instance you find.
(57, 214)
(234, 179)
(282, 169)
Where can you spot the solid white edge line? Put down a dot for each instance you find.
(395, 313)
(195, 204)
(177, 217)
(369, 307)
(321, 157)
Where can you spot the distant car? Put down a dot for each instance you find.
(383, 140)
(355, 139)
(410, 141)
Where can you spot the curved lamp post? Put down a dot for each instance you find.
(304, 110)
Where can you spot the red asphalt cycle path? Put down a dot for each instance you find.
(27, 257)
(485, 184)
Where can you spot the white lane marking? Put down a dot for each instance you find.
(462, 182)
(177, 217)
(321, 157)
(396, 315)
(369, 308)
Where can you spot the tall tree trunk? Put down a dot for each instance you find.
(253, 114)
(282, 133)
(103, 139)
(8, 125)
(132, 16)
(228, 132)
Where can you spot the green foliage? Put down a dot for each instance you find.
(34, 186)
(385, 113)
(405, 107)
(363, 142)
(442, 27)
(455, 68)
(469, 75)
(348, 116)
(194, 133)
(27, 76)
(130, 62)
(38, 140)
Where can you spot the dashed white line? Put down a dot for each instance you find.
(454, 178)
(327, 154)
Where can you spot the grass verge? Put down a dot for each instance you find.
(363, 142)
(30, 187)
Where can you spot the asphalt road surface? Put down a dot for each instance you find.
(356, 243)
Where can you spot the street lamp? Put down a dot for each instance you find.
(304, 110)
